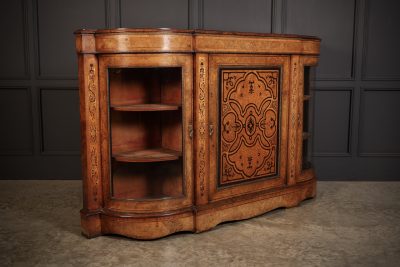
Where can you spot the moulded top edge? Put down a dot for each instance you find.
(193, 32)
(132, 30)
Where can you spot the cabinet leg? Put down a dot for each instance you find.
(90, 224)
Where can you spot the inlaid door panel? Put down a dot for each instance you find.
(249, 106)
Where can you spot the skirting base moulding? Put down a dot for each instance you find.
(182, 130)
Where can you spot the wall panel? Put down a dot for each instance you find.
(238, 15)
(332, 118)
(333, 21)
(60, 120)
(155, 13)
(356, 132)
(13, 46)
(56, 22)
(15, 121)
(379, 132)
(381, 42)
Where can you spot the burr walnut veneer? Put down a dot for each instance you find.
(183, 130)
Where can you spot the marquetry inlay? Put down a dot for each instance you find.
(249, 107)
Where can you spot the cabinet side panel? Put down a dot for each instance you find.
(203, 129)
(300, 115)
(82, 112)
(90, 144)
(304, 92)
(294, 118)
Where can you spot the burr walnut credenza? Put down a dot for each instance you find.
(185, 129)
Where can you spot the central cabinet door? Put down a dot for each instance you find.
(146, 132)
(248, 109)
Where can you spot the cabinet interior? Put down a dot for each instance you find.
(145, 107)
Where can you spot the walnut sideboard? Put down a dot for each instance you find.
(182, 130)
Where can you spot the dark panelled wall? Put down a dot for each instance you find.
(357, 84)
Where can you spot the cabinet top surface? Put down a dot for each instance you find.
(191, 32)
(127, 40)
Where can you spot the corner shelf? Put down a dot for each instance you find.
(148, 155)
(145, 117)
(145, 107)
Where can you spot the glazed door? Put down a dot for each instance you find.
(146, 132)
(248, 112)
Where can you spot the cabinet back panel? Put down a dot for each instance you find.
(147, 180)
(171, 82)
(135, 130)
(172, 130)
(133, 86)
(145, 85)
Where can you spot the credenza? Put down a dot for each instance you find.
(184, 129)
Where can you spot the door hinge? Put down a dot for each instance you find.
(211, 129)
(190, 129)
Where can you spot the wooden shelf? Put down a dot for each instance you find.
(148, 197)
(148, 155)
(145, 107)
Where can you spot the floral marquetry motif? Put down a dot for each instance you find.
(92, 130)
(249, 124)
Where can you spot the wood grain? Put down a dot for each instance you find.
(182, 129)
(148, 155)
(145, 107)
